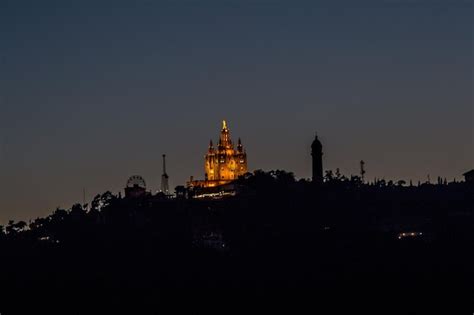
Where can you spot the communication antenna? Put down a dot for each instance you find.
(164, 178)
(84, 198)
(362, 170)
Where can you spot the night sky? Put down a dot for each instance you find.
(92, 92)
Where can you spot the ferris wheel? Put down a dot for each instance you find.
(136, 181)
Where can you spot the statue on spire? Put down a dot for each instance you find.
(224, 141)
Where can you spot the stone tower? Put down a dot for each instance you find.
(317, 155)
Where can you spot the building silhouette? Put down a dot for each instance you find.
(317, 157)
(469, 176)
(224, 163)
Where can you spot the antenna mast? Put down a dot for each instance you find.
(84, 199)
(164, 178)
(164, 163)
(362, 171)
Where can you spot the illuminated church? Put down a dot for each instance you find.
(224, 163)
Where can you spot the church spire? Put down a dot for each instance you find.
(224, 140)
(211, 147)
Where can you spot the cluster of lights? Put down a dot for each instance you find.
(212, 240)
(409, 234)
(215, 195)
(47, 239)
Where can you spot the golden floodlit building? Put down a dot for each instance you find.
(224, 163)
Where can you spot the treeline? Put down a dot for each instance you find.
(276, 233)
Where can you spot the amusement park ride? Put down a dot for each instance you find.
(136, 187)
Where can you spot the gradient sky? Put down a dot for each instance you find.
(92, 92)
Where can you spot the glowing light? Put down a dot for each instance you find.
(223, 164)
(409, 234)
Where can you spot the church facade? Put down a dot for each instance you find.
(223, 163)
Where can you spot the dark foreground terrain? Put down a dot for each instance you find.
(279, 244)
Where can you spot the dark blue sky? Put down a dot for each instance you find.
(94, 91)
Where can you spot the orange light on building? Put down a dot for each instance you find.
(224, 163)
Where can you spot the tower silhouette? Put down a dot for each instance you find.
(317, 156)
(164, 178)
